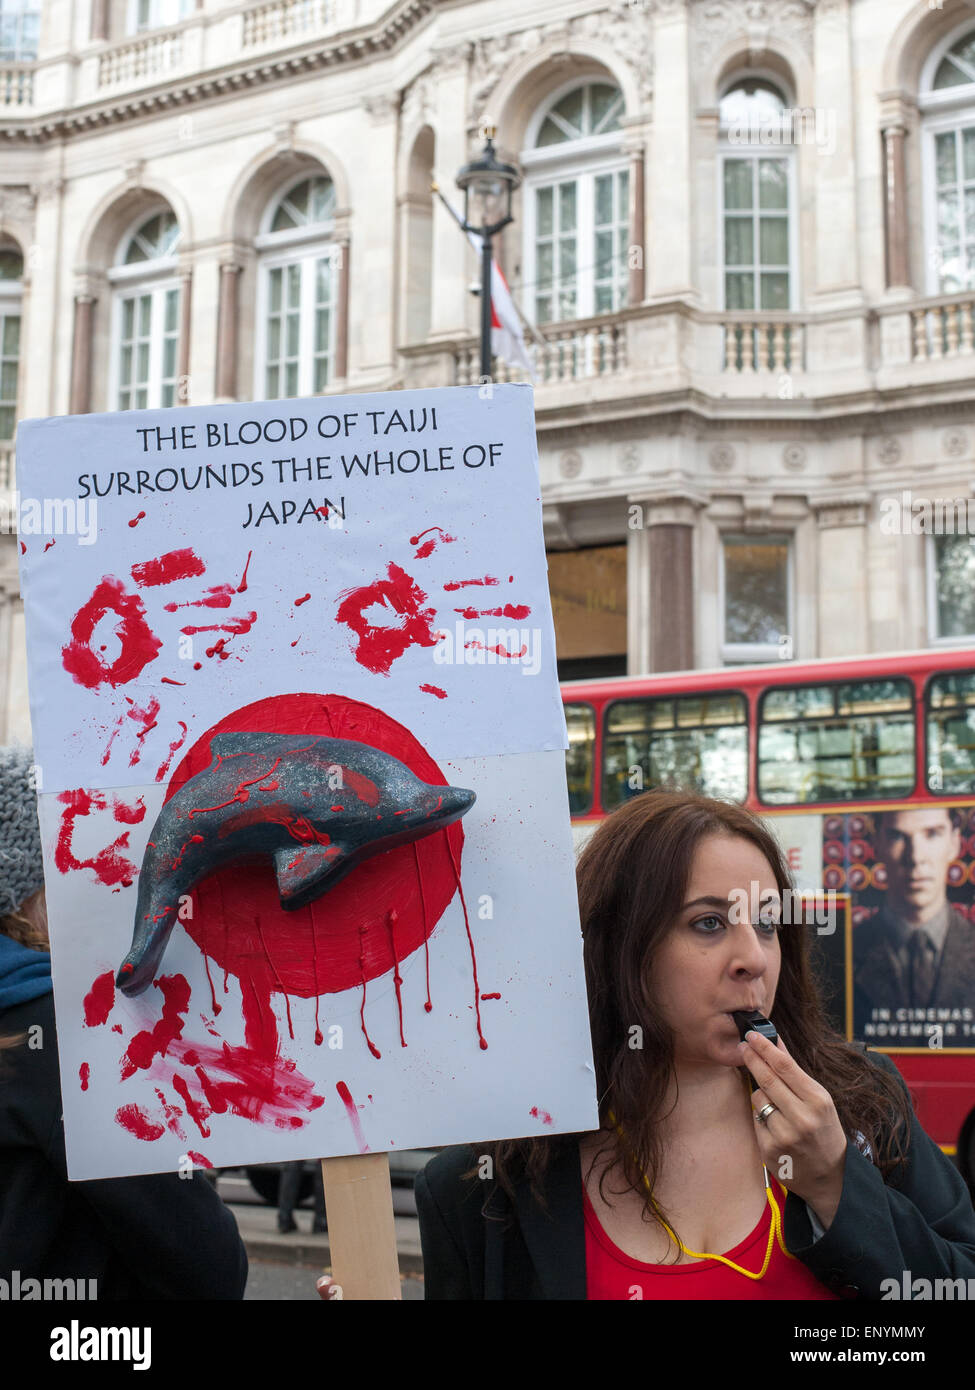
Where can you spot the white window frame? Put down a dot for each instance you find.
(163, 14)
(129, 287)
(11, 306)
(571, 160)
(964, 639)
(301, 246)
(748, 653)
(787, 152)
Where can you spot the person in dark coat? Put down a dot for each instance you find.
(152, 1237)
(820, 1184)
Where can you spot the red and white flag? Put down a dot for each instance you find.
(507, 336)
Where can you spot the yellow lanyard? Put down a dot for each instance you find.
(775, 1229)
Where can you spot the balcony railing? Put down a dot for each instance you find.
(282, 19)
(16, 84)
(943, 327)
(153, 56)
(763, 343)
(7, 455)
(567, 352)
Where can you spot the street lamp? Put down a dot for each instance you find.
(487, 185)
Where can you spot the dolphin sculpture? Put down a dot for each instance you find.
(316, 806)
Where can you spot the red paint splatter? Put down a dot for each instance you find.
(108, 747)
(167, 680)
(392, 916)
(499, 649)
(353, 1114)
(303, 599)
(147, 718)
(296, 641)
(362, 1007)
(198, 1159)
(428, 546)
(197, 1112)
(48, 546)
(435, 690)
(154, 1042)
(23, 548)
(173, 1115)
(322, 512)
(166, 569)
(379, 646)
(510, 610)
(218, 650)
(470, 942)
(100, 1000)
(217, 596)
(139, 644)
(453, 584)
(242, 586)
(136, 519)
(84, 1071)
(138, 1122)
(108, 864)
(116, 1027)
(236, 626)
(542, 1115)
(197, 665)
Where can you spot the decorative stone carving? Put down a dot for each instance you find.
(17, 203)
(418, 103)
(889, 450)
(381, 107)
(630, 459)
(839, 514)
(716, 21)
(794, 457)
(722, 457)
(570, 464)
(954, 443)
(454, 57)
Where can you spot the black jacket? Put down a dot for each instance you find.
(160, 1236)
(925, 1225)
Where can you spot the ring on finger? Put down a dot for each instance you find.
(763, 1115)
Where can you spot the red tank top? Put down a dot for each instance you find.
(612, 1275)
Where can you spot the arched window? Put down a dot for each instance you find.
(11, 275)
(297, 291)
(146, 315)
(947, 104)
(20, 22)
(576, 205)
(155, 14)
(756, 162)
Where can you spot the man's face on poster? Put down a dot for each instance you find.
(917, 847)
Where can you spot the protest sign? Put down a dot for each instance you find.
(367, 569)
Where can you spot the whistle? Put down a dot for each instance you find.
(751, 1019)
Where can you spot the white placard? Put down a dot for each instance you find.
(376, 553)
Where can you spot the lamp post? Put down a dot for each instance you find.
(487, 185)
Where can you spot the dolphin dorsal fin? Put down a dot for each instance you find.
(303, 871)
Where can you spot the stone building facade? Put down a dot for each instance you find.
(745, 241)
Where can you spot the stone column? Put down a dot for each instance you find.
(827, 158)
(670, 192)
(843, 599)
(81, 355)
(453, 260)
(99, 20)
(667, 571)
(185, 337)
(637, 287)
(341, 364)
(226, 374)
(895, 208)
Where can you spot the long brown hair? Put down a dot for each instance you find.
(27, 925)
(632, 879)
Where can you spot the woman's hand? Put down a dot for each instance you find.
(802, 1143)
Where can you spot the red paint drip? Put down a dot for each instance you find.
(139, 644)
(163, 767)
(136, 519)
(435, 690)
(277, 978)
(198, 1159)
(198, 1113)
(168, 568)
(217, 596)
(48, 546)
(147, 718)
(154, 1042)
(453, 584)
(489, 996)
(314, 973)
(23, 548)
(353, 1114)
(499, 649)
(241, 794)
(296, 641)
(138, 1122)
(510, 610)
(362, 1007)
(303, 599)
(426, 549)
(167, 680)
(100, 1000)
(108, 747)
(84, 1071)
(379, 646)
(428, 1006)
(242, 586)
(470, 941)
(236, 626)
(392, 917)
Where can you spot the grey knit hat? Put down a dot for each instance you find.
(21, 865)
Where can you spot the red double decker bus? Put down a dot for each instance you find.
(865, 770)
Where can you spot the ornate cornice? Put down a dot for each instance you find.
(342, 50)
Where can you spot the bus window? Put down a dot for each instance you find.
(580, 721)
(695, 742)
(951, 732)
(851, 742)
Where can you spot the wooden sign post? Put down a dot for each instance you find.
(361, 1229)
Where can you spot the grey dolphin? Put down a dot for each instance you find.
(316, 806)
